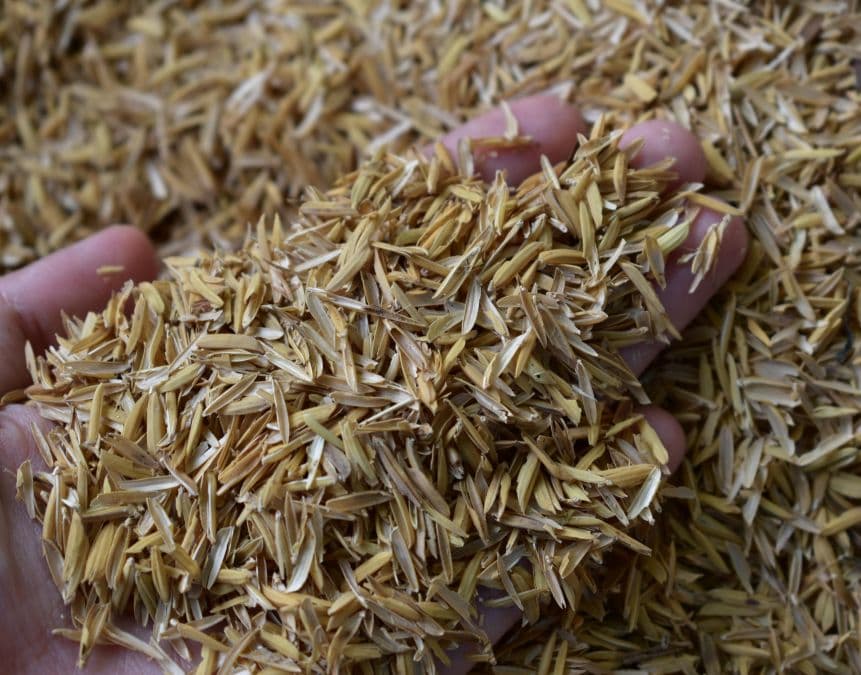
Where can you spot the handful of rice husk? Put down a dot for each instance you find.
(318, 451)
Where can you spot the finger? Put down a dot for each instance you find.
(682, 305)
(551, 124)
(669, 431)
(32, 298)
(662, 139)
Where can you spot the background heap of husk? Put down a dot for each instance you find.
(190, 119)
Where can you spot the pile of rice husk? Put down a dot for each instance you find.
(190, 120)
(310, 453)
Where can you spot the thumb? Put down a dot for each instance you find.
(32, 298)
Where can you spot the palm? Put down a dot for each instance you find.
(32, 605)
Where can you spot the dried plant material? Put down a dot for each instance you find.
(307, 444)
(189, 120)
(640, 88)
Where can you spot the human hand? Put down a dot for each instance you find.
(552, 125)
(31, 302)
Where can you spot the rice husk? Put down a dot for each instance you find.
(753, 562)
(337, 434)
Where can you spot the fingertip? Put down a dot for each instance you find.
(551, 121)
(73, 280)
(130, 248)
(669, 431)
(551, 124)
(664, 138)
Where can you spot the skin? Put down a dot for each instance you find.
(31, 300)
